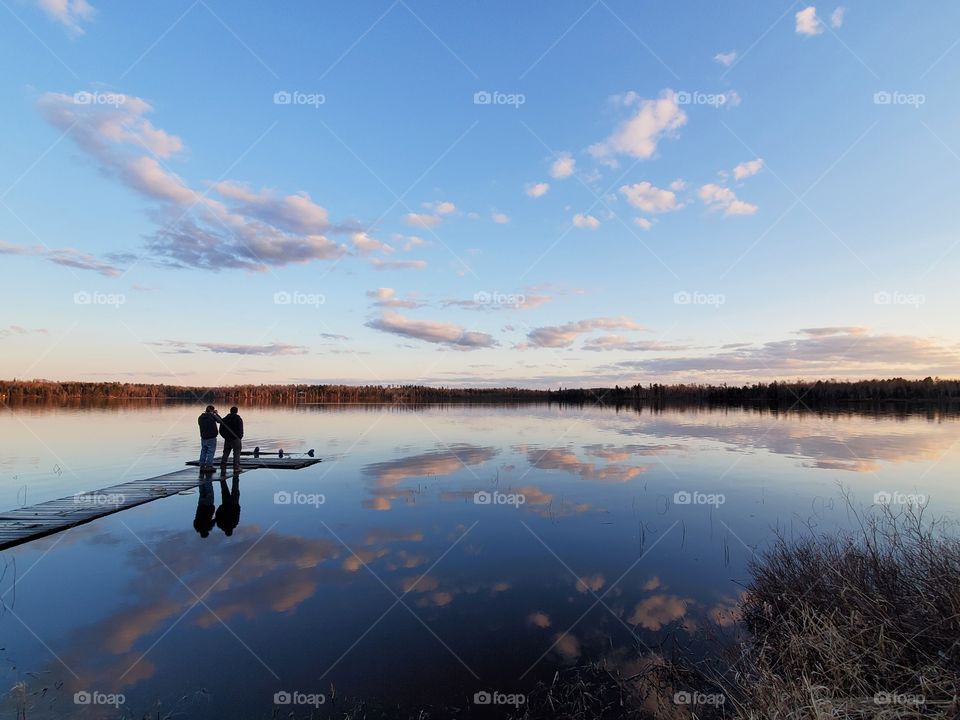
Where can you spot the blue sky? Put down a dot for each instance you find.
(578, 193)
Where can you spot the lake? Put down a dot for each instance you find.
(435, 553)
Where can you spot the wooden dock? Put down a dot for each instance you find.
(37, 521)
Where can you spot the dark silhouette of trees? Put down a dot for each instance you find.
(778, 395)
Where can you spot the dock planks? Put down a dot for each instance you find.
(36, 521)
(285, 463)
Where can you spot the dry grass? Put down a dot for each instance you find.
(861, 625)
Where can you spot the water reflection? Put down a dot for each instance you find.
(203, 521)
(401, 585)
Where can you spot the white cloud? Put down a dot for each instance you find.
(678, 185)
(747, 169)
(837, 17)
(642, 223)
(807, 22)
(726, 58)
(718, 198)
(585, 222)
(421, 220)
(387, 297)
(441, 208)
(538, 189)
(69, 13)
(500, 218)
(650, 199)
(366, 244)
(563, 166)
(555, 336)
(638, 136)
(431, 331)
(409, 241)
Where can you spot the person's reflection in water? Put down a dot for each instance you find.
(203, 521)
(228, 514)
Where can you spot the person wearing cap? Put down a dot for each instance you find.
(208, 422)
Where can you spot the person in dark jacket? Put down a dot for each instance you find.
(231, 430)
(208, 422)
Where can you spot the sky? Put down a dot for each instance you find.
(564, 194)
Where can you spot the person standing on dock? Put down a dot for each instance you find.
(208, 422)
(231, 430)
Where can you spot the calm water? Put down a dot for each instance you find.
(399, 585)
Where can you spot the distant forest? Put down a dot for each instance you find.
(930, 391)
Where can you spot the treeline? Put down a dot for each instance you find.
(775, 394)
(13, 391)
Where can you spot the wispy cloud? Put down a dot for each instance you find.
(555, 336)
(69, 13)
(819, 352)
(240, 228)
(183, 347)
(68, 257)
(619, 342)
(379, 264)
(726, 58)
(442, 333)
(387, 297)
(10, 330)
